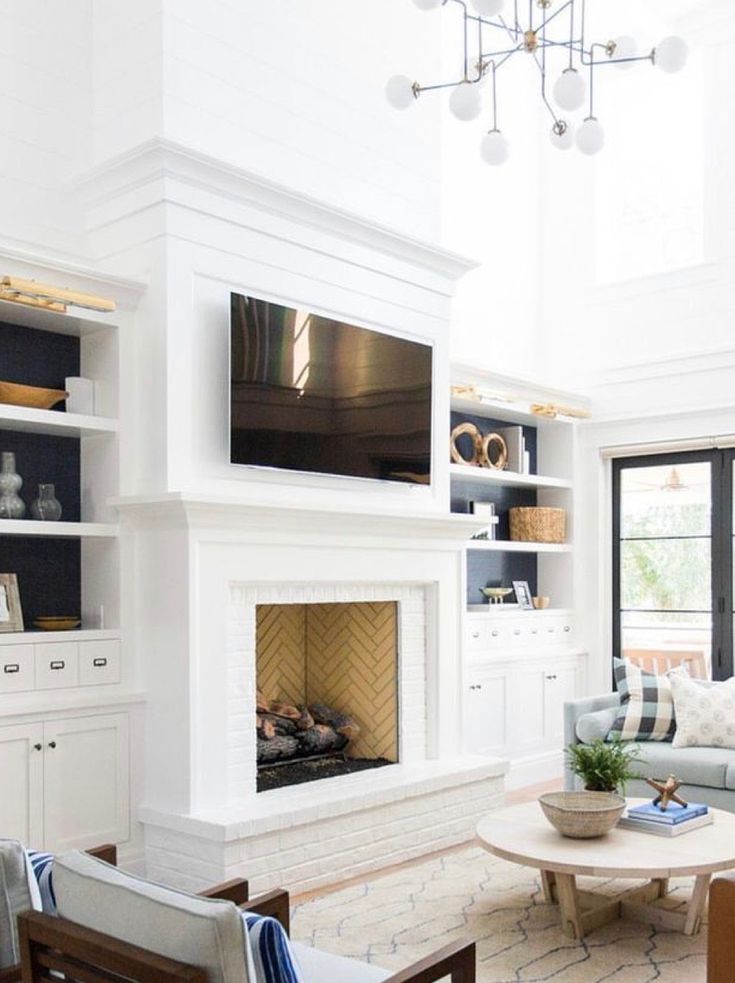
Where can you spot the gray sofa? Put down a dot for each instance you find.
(708, 773)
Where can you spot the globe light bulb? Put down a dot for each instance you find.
(670, 55)
(400, 92)
(428, 4)
(488, 8)
(494, 148)
(562, 135)
(623, 47)
(465, 101)
(570, 89)
(590, 137)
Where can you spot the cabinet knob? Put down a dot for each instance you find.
(551, 677)
(38, 747)
(52, 744)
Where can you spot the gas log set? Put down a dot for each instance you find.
(287, 733)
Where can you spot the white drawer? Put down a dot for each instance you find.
(16, 668)
(99, 662)
(57, 665)
(476, 635)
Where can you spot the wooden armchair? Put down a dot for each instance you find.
(721, 930)
(106, 852)
(51, 945)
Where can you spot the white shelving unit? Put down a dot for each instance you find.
(98, 437)
(513, 546)
(469, 475)
(22, 419)
(521, 665)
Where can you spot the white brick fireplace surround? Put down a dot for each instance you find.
(203, 819)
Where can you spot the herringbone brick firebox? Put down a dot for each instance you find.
(343, 655)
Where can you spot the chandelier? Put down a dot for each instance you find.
(553, 33)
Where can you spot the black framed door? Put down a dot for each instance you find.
(673, 556)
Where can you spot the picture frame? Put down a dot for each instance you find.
(523, 594)
(11, 612)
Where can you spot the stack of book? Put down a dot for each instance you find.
(672, 821)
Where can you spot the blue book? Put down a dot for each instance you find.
(671, 816)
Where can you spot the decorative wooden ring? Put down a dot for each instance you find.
(498, 461)
(471, 431)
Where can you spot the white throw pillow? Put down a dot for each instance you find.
(705, 713)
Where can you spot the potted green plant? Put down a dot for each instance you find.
(603, 766)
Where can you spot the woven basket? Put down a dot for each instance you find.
(538, 525)
(582, 815)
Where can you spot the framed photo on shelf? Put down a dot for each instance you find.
(11, 614)
(523, 594)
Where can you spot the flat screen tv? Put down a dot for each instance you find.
(315, 395)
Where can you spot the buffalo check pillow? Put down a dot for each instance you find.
(646, 705)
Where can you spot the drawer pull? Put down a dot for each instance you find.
(475, 634)
(11, 667)
(99, 663)
(57, 664)
(516, 631)
(495, 632)
(567, 628)
(551, 677)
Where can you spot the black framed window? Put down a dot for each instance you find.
(673, 558)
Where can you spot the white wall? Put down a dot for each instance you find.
(634, 342)
(294, 91)
(45, 99)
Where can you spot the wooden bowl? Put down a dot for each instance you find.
(33, 397)
(541, 603)
(57, 623)
(582, 815)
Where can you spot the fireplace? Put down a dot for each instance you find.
(327, 689)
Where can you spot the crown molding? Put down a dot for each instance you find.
(175, 167)
(76, 273)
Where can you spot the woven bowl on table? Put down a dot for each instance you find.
(582, 815)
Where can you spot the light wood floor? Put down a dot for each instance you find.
(527, 794)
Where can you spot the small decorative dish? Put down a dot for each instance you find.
(495, 594)
(57, 623)
(541, 603)
(582, 815)
(33, 397)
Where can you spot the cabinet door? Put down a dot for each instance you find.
(485, 725)
(21, 784)
(527, 709)
(86, 787)
(560, 685)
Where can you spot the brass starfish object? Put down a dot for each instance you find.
(666, 792)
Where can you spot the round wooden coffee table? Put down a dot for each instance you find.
(522, 833)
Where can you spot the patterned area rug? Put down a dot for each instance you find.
(397, 918)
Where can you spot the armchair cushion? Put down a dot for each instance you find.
(15, 896)
(323, 967)
(203, 932)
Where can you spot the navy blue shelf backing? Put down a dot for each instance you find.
(48, 569)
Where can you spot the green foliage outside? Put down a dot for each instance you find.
(666, 574)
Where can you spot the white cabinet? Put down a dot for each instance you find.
(52, 665)
(69, 779)
(21, 775)
(486, 723)
(561, 684)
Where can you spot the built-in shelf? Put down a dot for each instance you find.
(21, 418)
(509, 412)
(469, 474)
(36, 527)
(512, 546)
(32, 636)
(78, 324)
(515, 610)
